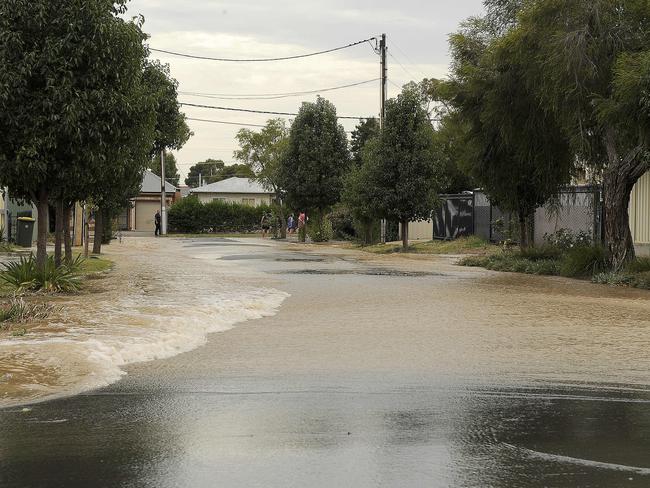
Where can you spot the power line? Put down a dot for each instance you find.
(224, 122)
(402, 66)
(408, 58)
(273, 96)
(260, 60)
(268, 112)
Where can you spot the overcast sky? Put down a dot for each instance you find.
(416, 30)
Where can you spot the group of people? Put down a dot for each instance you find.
(293, 223)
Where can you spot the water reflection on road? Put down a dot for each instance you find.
(418, 375)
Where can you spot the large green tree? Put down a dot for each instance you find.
(171, 168)
(204, 169)
(262, 151)
(68, 75)
(516, 151)
(401, 171)
(365, 130)
(587, 62)
(316, 159)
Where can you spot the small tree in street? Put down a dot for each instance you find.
(316, 159)
(263, 152)
(400, 166)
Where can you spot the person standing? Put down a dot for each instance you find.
(157, 222)
(266, 224)
(290, 224)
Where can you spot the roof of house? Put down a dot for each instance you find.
(233, 185)
(151, 184)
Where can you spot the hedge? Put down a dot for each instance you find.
(190, 216)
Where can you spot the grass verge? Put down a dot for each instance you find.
(463, 245)
(586, 262)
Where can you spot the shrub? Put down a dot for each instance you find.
(24, 275)
(342, 223)
(544, 252)
(191, 216)
(18, 311)
(583, 261)
(639, 265)
(565, 239)
(320, 229)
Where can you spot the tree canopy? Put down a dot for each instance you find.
(171, 168)
(317, 157)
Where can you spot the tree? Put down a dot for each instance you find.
(317, 157)
(68, 75)
(514, 149)
(171, 169)
(166, 129)
(400, 166)
(207, 168)
(262, 152)
(590, 70)
(365, 130)
(231, 171)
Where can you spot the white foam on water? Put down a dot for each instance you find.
(578, 461)
(152, 317)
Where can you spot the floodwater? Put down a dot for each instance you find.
(364, 371)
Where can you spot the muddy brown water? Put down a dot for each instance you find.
(375, 371)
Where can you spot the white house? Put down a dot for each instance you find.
(235, 190)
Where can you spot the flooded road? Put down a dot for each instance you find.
(375, 371)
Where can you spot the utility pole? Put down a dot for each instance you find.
(163, 195)
(382, 105)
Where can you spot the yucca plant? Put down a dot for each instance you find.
(24, 275)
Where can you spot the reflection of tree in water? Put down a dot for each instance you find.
(105, 440)
(511, 441)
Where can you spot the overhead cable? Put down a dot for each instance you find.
(233, 109)
(273, 96)
(261, 60)
(224, 122)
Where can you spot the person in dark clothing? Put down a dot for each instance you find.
(157, 220)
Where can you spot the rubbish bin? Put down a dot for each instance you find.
(24, 231)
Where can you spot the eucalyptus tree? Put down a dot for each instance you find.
(513, 148)
(262, 151)
(587, 61)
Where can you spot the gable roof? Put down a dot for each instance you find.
(233, 185)
(151, 184)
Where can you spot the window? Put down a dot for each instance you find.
(248, 201)
(219, 199)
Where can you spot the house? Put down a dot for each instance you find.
(640, 215)
(235, 190)
(140, 217)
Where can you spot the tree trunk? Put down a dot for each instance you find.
(99, 231)
(405, 234)
(43, 227)
(618, 238)
(58, 232)
(283, 220)
(523, 233)
(67, 238)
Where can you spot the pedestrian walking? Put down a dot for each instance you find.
(157, 222)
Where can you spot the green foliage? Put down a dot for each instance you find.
(190, 216)
(366, 130)
(566, 239)
(546, 252)
(316, 159)
(230, 171)
(319, 229)
(639, 265)
(19, 311)
(398, 179)
(634, 280)
(171, 168)
(207, 168)
(512, 262)
(24, 275)
(343, 225)
(583, 261)
(262, 151)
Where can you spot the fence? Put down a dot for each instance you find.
(578, 209)
(4, 224)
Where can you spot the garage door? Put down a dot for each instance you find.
(144, 215)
